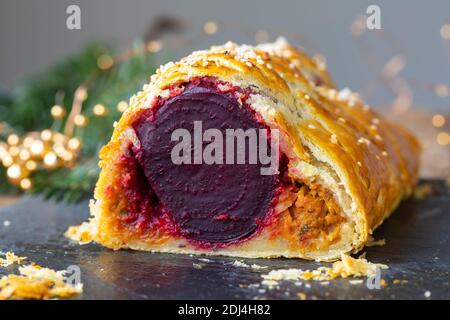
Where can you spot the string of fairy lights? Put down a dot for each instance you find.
(50, 149)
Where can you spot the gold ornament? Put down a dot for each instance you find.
(80, 120)
(46, 135)
(122, 106)
(14, 172)
(25, 184)
(37, 148)
(74, 144)
(50, 160)
(99, 110)
(57, 112)
(105, 62)
(13, 139)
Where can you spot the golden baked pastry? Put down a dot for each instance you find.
(341, 168)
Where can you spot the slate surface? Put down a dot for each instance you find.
(417, 250)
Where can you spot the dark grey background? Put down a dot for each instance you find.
(33, 34)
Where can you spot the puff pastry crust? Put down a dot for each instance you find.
(349, 168)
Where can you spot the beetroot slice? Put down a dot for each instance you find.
(215, 203)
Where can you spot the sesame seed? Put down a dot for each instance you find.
(378, 137)
(359, 164)
(384, 154)
(311, 126)
(376, 121)
(342, 120)
(307, 97)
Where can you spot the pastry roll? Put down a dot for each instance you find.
(311, 173)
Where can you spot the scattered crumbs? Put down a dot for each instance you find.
(373, 243)
(356, 281)
(346, 267)
(301, 296)
(10, 259)
(258, 267)
(35, 282)
(400, 281)
(422, 191)
(241, 264)
(197, 266)
(427, 294)
(270, 283)
(6, 223)
(82, 234)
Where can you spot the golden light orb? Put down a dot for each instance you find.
(24, 155)
(57, 111)
(210, 27)
(154, 46)
(31, 165)
(58, 148)
(7, 160)
(74, 144)
(442, 90)
(3, 151)
(25, 184)
(105, 62)
(122, 106)
(13, 139)
(50, 160)
(14, 151)
(443, 138)
(28, 141)
(80, 120)
(67, 156)
(37, 148)
(14, 172)
(58, 137)
(445, 31)
(438, 120)
(99, 110)
(46, 135)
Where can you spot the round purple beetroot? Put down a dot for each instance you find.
(213, 203)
